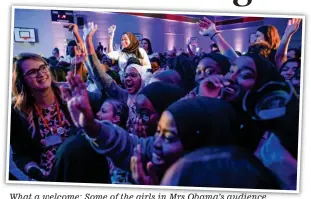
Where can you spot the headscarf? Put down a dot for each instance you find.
(134, 46)
(204, 121)
(286, 127)
(224, 167)
(162, 94)
(139, 68)
(266, 71)
(131, 97)
(169, 76)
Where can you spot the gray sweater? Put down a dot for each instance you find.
(118, 144)
(111, 88)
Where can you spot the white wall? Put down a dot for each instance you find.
(50, 34)
(164, 34)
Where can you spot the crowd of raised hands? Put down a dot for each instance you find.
(189, 90)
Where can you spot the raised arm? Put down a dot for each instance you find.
(75, 31)
(99, 70)
(90, 31)
(281, 53)
(208, 28)
(80, 52)
(111, 32)
(104, 137)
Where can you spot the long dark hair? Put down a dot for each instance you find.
(150, 51)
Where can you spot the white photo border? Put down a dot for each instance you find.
(160, 12)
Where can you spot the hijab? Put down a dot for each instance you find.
(162, 94)
(223, 167)
(266, 71)
(204, 121)
(134, 46)
(169, 76)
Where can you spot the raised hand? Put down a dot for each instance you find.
(111, 30)
(80, 53)
(89, 30)
(77, 101)
(138, 172)
(292, 26)
(207, 27)
(72, 28)
(211, 86)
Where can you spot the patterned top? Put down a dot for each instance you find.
(48, 154)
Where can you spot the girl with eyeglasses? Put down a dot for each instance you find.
(41, 124)
(132, 75)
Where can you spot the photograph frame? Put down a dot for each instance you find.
(139, 37)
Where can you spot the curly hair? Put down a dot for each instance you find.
(271, 35)
(262, 47)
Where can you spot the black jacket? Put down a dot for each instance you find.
(27, 148)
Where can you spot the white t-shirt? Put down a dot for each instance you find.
(122, 58)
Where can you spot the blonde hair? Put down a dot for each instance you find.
(22, 98)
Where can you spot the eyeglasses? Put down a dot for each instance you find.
(44, 68)
(132, 75)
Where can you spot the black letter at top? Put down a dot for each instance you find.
(236, 2)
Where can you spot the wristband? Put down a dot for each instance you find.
(214, 35)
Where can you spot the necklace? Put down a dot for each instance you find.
(60, 130)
